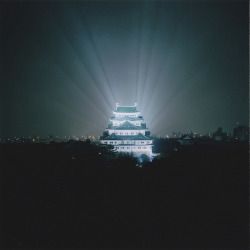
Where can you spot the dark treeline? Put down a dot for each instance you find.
(78, 195)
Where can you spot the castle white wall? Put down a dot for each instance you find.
(111, 142)
(129, 142)
(136, 150)
(118, 114)
(126, 132)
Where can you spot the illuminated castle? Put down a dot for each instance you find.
(127, 132)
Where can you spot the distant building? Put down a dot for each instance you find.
(241, 133)
(219, 135)
(186, 140)
(127, 132)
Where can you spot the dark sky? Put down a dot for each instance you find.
(64, 65)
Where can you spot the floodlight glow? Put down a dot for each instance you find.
(83, 57)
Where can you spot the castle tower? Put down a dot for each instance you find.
(127, 132)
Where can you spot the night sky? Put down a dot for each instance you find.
(64, 65)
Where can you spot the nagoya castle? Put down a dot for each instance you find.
(127, 132)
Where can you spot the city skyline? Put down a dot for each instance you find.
(66, 64)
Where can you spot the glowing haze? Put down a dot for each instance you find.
(65, 65)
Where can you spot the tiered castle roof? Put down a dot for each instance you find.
(126, 109)
(127, 126)
(113, 118)
(140, 136)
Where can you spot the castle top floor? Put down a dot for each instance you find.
(126, 111)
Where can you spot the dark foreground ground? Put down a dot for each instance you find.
(195, 198)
